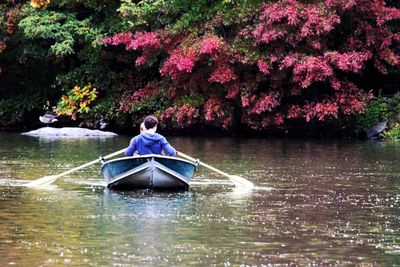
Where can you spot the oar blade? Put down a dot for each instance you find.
(47, 180)
(42, 182)
(241, 182)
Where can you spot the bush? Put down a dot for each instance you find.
(381, 109)
(393, 133)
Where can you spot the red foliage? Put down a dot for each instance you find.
(183, 59)
(279, 119)
(186, 115)
(211, 45)
(179, 62)
(168, 114)
(120, 38)
(303, 27)
(307, 69)
(215, 111)
(131, 101)
(148, 42)
(350, 62)
(325, 109)
(298, 64)
(245, 101)
(265, 102)
(293, 21)
(263, 66)
(294, 112)
(233, 92)
(348, 99)
(10, 20)
(2, 46)
(183, 116)
(223, 73)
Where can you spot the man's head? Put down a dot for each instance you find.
(150, 122)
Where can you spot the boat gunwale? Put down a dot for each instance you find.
(148, 156)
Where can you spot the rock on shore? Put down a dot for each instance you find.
(69, 132)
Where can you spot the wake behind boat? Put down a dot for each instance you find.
(148, 172)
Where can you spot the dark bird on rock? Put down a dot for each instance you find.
(100, 124)
(48, 118)
(103, 125)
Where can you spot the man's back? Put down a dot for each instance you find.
(150, 143)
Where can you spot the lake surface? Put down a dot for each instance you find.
(315, 203)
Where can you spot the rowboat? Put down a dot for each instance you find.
(152, 171)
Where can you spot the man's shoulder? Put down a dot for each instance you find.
(135, 138)
(160, 136)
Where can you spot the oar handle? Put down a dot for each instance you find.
(88, 164)
(204, 164)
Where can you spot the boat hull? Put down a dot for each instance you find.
(148, 172)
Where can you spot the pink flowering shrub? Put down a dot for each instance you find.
(223, 73)
(182, 116)
(264, 103)
(179, 62)
(349, 62)
(263, 66)
(304, 29)
(148, 42)
(216, 112)
(232, 93)
(140, 99)
(211, 45)
(290, 61)
(307, 70)
(183, 60)
(186, 115)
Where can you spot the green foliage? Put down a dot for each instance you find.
(63, 29)
(14, 110)
(393, 133)
(7, 106)
(394, 108)
(376, 111)
(141, 13)
(393, 116)
(194, 101)
(105, 108)
(56, 47)
(183, 15)
(381, 109)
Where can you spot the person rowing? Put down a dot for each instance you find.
(150, 142)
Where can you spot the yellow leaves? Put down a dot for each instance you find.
(76, 90)
(76, 101)
(38, 4)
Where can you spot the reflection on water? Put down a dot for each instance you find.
(315, 203)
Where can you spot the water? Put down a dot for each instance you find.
(315, 203)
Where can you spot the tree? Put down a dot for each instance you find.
(266, 65)
(54, 48)
(293, 60)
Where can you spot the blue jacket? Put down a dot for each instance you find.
(147, 143)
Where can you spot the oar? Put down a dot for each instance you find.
(47, 180)
(237, 180)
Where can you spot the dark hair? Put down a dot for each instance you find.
(150, 122)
